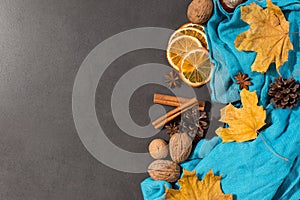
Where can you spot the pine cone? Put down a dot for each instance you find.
(284, 93)
(194, 123)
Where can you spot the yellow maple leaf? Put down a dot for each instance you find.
(191, 188)
(243, 122)
(268, 36)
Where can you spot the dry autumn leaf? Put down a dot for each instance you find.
(268, 36)
(191, 188)
(243, 122)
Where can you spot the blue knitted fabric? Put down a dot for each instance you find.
(249, 170)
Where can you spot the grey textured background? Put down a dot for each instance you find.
(42, 44)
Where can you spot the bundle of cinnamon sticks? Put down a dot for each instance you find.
(181, 104)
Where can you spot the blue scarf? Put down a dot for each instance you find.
(249, 170)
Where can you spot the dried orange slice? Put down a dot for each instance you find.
(190, 31)
(179, 47)
(192, 25)
(196, 68)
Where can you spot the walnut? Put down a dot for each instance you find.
(180, 146)
(158, 149)
(164, 170)
(199, 11)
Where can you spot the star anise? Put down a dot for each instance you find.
(243, 80)
(173, 80)
(172, 129)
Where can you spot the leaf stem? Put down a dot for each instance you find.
(278, 71)
(271, 150)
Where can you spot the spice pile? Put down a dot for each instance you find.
(268, 34)
(182, 135)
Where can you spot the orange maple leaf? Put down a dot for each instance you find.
(191, 188)
(268, 36)
(244, 122)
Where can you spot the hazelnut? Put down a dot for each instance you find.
(158, 149)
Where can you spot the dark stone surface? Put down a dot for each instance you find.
(42, 45)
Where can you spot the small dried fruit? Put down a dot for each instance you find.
(199, 11)
(191, 31)
(180, 146)
(164, 170)
(196, 68)
(230, 5)
(158, 149)
(179, 47)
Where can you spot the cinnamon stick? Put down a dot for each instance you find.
(174, 101)
(174, 113)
